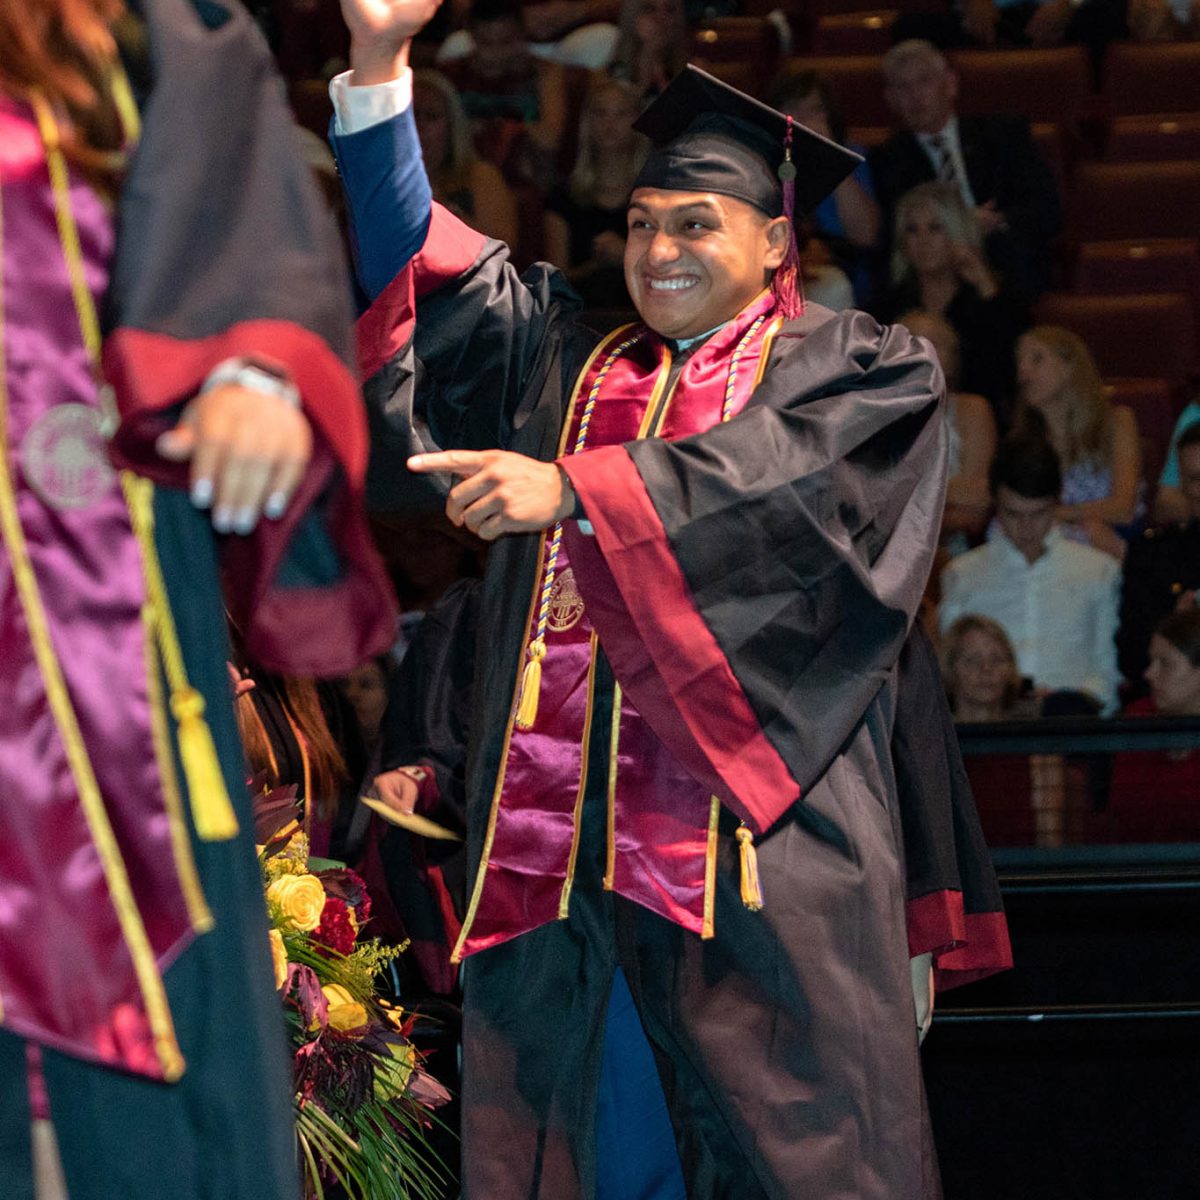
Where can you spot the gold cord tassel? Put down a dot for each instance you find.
(531, 686)
(211, 808)
(752, 896)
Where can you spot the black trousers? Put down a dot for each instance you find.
(786, 1045)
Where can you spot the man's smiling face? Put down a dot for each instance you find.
(693, 260)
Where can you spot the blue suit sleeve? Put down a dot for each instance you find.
(388, 194)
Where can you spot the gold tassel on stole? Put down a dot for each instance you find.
(211, 807)
(531, 686)
(752, 896)
(212, 810)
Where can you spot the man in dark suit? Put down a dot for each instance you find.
(1162, 568)
(992, 160)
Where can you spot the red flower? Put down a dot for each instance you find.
(335, 929)
(348, 885)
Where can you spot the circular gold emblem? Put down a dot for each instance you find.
(65, 458)
(566, 604)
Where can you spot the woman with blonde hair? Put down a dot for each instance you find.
(585, 222)
(939, 266)
(467, 185)
(1097, 442)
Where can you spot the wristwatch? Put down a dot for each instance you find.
(248, 373)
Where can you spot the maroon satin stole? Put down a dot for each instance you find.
(661, 824)
(97, 895)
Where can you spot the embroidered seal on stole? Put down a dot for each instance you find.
(65, 458)
(566, 604)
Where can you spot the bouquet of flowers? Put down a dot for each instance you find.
(363, 1099)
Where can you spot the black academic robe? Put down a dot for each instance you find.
(799, 534)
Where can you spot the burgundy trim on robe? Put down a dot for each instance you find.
(965, 946)
(387, 326)
(660, 647)
(325, 630)
(450, 249)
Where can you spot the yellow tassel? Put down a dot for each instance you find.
(211, 808)
(752, 896)
(531, 686)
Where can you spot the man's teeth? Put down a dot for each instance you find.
(671, 285)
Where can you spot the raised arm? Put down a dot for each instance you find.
(374, 138)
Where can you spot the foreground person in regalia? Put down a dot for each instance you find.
(711, 532)
(188, 264)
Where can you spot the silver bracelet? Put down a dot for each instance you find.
(244, 373)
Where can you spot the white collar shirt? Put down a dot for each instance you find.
(1060, 612)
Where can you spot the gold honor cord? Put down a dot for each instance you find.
(489, 838)
(531, 680)
(108, 851)
(211, 808)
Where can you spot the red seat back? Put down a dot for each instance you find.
(1043, 85)
(1153, 139)
(1146, 335)
(1153, 77)
(1135, 200)
(854, 32)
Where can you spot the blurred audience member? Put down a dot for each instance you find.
(1162, 567)
(424, 555)
(1056, 599)
(980, 672)
(822, 281)
(1022, 799)
(938, 266)
(585, 221)
(847, 222)
(516, 101)
(1061, 397)
(1169, 501)
(576, 33)
(1164, 20)
(972, 437)
(302, 733)
(991, 161)
(366, 688)
(653, 44)
(471, 188)
(1155, 794)
(1043, 23)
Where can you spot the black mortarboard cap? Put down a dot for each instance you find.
(709, 137)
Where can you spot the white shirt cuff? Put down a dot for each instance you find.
(358, 108)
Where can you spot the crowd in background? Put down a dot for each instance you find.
(1070, 552)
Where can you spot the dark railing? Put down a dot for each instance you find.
(1080, 735)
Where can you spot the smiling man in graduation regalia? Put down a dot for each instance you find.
(711, 534)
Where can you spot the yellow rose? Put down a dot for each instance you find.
(279, 958)
(299, 899)
(345, 1013)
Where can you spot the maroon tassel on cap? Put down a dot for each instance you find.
(787, 284)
